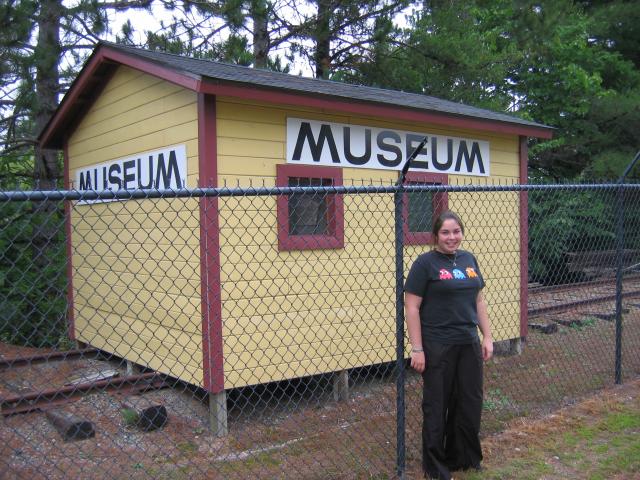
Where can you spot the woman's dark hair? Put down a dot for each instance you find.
(446, 215)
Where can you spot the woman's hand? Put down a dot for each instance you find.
(485, 328)
(487, 348)
(418, 361)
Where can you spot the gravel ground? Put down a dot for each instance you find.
(298, 430)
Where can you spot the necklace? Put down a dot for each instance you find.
(448, 257)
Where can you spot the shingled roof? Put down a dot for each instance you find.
(207, 72)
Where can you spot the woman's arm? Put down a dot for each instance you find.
(412, 316)
(485, 328)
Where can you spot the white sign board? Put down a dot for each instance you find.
(312, 142)
(158, 169)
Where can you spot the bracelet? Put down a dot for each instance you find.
(417, 350)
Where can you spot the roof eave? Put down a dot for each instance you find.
(370, 108)
(105, 59)
(90, 82)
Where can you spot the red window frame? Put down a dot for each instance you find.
(440, 203)
(335, 210)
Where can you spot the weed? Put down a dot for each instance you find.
(495, 400)
(129, 416)
(187, 447)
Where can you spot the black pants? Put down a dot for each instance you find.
(452, 406)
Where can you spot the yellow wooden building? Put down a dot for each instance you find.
(191, 288)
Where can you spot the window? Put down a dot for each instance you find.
(421, 208)
(309, 220)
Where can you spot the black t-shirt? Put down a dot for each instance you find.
(449, 293)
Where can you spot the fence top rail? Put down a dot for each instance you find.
(92, 195)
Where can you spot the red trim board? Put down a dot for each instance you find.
(211, 305)
(69, 248)
(524, 240)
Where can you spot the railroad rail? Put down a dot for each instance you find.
(549, 299)
(41, 400)
(11, 404)
(21, 361)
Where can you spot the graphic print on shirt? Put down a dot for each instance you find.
(458, 274)
(445, 274)
(471, 273)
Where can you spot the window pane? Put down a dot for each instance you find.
(420, 211)
(308, 211)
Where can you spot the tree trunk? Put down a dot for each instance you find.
(260, 17)
(46, 261)
(322, 39)
(47, 59)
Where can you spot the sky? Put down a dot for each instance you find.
(153, 20)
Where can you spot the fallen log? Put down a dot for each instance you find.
(144, 414)
(69, 426)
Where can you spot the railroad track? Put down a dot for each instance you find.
(548, 299)
(43, 398)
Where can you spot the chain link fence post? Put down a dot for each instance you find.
(620, 265)
(398, 198)
(400, 379)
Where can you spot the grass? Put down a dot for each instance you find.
(597, 440)
(495, 399)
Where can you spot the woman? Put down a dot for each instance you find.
(444, 308)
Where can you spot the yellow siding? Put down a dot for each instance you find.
(297, 313)
(284, 314)
(136, 264)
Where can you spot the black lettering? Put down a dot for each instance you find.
(166, 172)
(412, 142)
(150, 175)
(469, 159)
(114, 175)
(305, 133)
(104, 178)
(126, 176)
(85, 182)
(386, 147)
(434, 155)
(351, 158)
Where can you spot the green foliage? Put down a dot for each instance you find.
(453, 50)
(562, 221)
(33, 280)
(129, 417)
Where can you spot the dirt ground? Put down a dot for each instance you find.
(297, 430)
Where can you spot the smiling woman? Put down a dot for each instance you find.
(444, 309)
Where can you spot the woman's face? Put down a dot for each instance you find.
(449, 237)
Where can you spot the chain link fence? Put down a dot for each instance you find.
(253, 332)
